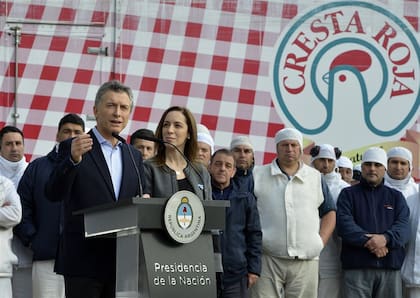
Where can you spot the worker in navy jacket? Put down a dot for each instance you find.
(241, 241)
(40, 226)
(372, 220)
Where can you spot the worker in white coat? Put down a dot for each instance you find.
(324, 159)
(410, 271)
(398, 173)
(10, 215)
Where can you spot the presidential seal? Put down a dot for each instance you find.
(184, 217)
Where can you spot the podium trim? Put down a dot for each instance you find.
(119, 232)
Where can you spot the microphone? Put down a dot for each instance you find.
(119, 138)
(122, 140)
(162, 142)
(156, 140)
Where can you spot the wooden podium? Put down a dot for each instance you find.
(150, 263)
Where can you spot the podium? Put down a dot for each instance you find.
(149, 263)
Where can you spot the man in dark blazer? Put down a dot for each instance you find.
(94, 169)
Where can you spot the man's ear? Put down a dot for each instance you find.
(234, 172)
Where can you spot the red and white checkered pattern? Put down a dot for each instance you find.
(211, 56)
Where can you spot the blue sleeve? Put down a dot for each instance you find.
(328, 203)
(62, 177)
(347, 228)
(254, 237)
(26, 228)
(399, 233)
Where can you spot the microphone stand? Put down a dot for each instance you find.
(122, 140)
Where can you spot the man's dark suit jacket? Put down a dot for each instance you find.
(81, 186)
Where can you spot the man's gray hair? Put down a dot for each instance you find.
(115, 86)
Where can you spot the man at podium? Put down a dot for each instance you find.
(93, 169)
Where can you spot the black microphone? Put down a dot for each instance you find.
(119, 138)
(122, 140)
(156, 140)
(162, 142)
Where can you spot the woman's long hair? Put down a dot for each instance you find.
(191, 148)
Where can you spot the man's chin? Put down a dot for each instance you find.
(15, 158)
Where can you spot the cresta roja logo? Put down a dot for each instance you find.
(347, 73)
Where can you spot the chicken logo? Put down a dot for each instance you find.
(347, 72)
(357, 59)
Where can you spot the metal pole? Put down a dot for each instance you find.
(17, 35)
(115, 41)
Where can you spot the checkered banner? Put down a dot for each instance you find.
(342, 72)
